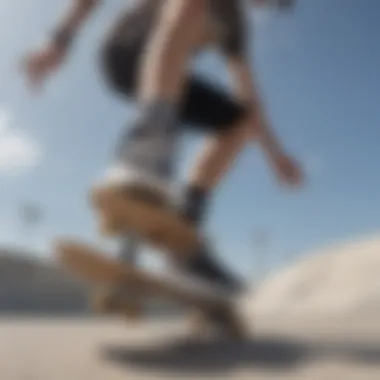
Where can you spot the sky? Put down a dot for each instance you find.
(318, 69)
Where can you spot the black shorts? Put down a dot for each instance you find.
(205, 107)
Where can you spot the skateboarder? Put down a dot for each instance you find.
(145, 58)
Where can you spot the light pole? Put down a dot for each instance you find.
(261, 242)
(30, 216)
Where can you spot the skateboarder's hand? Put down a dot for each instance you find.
(39, 64)
(288, 170)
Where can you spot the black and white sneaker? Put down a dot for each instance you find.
(205, 277)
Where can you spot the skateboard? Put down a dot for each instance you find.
(96, 268)
(122, 210)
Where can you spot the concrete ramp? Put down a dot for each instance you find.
(335, 282)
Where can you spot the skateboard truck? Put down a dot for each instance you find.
(112, 301)
(117, 299)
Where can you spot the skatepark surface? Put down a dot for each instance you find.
(81, 349)
(316, 319)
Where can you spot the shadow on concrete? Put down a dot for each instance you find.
(269, 353)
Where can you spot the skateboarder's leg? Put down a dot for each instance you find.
(225, 122)
(178, 31)
(213, 112)
(147, 153)
(209, 110)
(139, 180)
(212, 164)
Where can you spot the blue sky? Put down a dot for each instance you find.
(319, 72)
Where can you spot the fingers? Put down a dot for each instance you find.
(291, 174)
(297, 179)
(35, 72)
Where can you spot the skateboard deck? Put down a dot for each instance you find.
(92, 265)
(122, 211)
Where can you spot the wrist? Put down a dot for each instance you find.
(272, 150)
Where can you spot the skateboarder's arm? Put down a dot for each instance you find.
(235, 48)
(72, 20)
(260, 129)
(246, 90)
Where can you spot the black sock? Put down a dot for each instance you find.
(195, 204)
(204, 264)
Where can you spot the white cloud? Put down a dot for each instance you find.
(17, 150)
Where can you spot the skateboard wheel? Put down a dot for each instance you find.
(198, 323)
(103, 302)
(225, 319)
(132, 311)
(111, 303)
(232, 324)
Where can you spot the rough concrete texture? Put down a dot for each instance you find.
(315, 320)
(81, 349)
